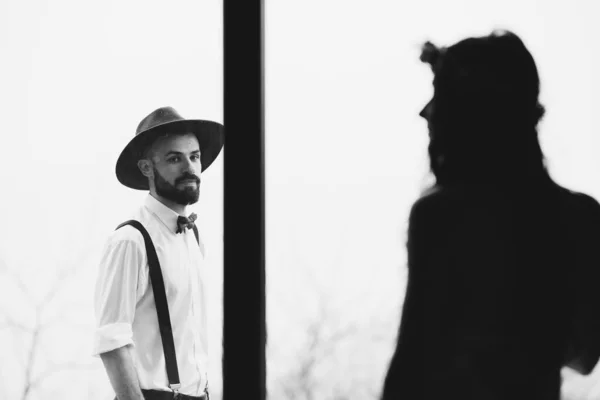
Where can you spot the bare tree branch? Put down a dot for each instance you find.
(61, 320)
(325, 333)
(17, 279)
(30, 362)
(59, 281)
(11, 323)
(57, 368)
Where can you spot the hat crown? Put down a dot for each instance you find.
(166, 120)
(158, 117)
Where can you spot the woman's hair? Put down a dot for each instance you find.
(485, 111)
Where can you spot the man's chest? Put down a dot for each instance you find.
(181, 264)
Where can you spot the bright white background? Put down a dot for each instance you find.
(345, 159)
(77, 77)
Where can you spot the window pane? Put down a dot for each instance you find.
(77, 79)
(346, 158)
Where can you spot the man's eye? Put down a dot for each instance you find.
(195, 157)
(173, 159)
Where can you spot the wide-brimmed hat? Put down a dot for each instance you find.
(161, 121)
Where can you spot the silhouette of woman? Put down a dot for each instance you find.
(502, 267)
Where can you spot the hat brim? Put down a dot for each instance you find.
(210, 137)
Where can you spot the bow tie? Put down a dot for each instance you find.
(184, 223)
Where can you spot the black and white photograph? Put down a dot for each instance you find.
(285, 200)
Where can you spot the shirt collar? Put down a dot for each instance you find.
(164, 213)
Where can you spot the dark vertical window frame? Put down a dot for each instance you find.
(244, 323)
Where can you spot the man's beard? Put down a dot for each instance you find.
(186, 196)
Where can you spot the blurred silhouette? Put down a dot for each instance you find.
(502, 262)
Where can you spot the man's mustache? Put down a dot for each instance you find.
(187, 177)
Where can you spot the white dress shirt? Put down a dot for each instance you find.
(124, 301)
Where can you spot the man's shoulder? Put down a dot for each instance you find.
(128, 233)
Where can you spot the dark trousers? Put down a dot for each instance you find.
(164, 395)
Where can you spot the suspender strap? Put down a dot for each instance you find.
(162, 308)
(195, 228)
(200, 244)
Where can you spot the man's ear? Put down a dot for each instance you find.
(145, 167)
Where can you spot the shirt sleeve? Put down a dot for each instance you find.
(115, 294)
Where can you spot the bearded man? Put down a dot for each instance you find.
(150, 292)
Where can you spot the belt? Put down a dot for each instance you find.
(164, 395)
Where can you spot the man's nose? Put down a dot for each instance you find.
(191, 167)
